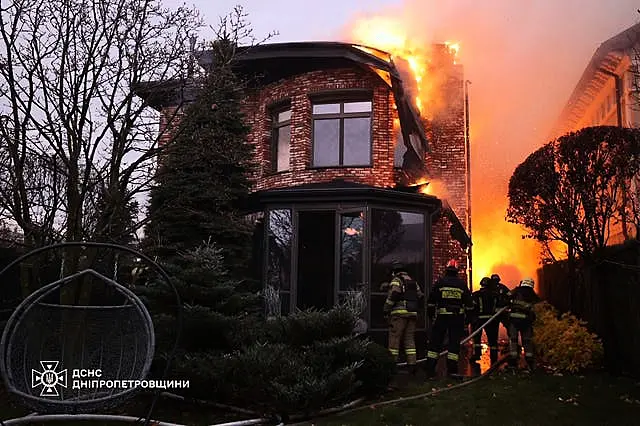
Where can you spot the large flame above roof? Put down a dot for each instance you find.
(388, 35)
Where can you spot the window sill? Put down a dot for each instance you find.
(369, 166)
(268, 174)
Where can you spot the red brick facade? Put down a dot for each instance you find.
(297, 91)
(449, 164)
(446, 133)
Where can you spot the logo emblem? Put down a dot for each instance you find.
(49, 378)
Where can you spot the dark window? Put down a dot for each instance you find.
(280, 236)
(398, 236)
(280, 140)
(342, 133)
(316, 259)
(351, 244)
(352, 291)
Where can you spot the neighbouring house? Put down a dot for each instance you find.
(341, 149)
(607, 95)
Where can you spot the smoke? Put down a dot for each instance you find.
(523, 60)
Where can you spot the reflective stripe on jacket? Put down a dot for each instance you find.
(449, 296)
(523, 300)
(401, 300)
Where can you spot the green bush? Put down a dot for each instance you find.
(563, 342)
(231, 354)
(307, 327)
(270, 378)
(377, 369)
(276, 378)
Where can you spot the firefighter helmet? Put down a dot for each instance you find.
(485, 282)
(527, 282)
(495, 277)
(452, 265)
(396, 265)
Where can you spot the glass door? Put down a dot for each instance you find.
(315, 259)
(351, 287)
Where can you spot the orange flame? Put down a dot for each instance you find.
(498, 247)
(433, 187)
(391, 36)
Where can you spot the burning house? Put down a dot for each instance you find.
(352, 176)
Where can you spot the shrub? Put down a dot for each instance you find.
(307, 327)
(275, 378)
(377, 369)
(564, 342)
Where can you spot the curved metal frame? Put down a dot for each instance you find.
(51, 286)
(28, 304)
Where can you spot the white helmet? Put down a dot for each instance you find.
(527, 282)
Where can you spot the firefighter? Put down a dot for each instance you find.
(504, 297)
(448, 304)
(485, 301)
(521, 319)
(401, 307)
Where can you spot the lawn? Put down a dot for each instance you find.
(503, 399)
(507, 399)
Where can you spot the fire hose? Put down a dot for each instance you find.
(466, 339)
(346, 410)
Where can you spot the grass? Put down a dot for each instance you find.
(505, 399)
(166, 410)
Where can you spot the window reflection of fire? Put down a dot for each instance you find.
(352, 231)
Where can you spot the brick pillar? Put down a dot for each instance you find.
(448, 158)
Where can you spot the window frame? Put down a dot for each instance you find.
(342, 98)
(275, 126)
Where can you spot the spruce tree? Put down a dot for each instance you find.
(203, 176)
(197, 231)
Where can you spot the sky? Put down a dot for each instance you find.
(523, 59)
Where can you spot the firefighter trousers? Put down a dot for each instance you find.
(402, 330)
(524, 330)
(453, 326)
(492, 338)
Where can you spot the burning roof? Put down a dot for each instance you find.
(274, 61)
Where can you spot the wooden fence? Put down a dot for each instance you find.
(607, 296)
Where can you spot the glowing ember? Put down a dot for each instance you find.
(433, 187)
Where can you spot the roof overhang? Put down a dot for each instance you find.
(342, 191)
(605, 61)
(267, 63)
(339, 191)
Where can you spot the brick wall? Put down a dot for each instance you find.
(297, 90)
(448, 163)
(446, 133)
(169, 117)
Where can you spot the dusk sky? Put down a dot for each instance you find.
(523, 58)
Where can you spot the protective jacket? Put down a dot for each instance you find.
(449, 296)
(504, 295)
(522, 301)
(404, 296)
(486, 302)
